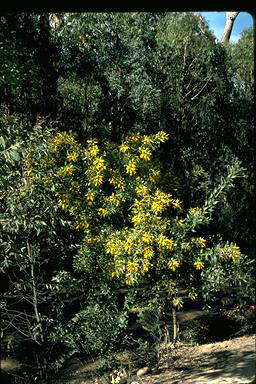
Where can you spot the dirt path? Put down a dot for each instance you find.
(227, 362)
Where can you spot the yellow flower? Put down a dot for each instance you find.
(90, 197)
(81, 224)
(202, 242)
(91, 239)
(147, 238)
(146, 267)
(63, 202)
(93, 147)
(177, 303)
(176, 203)
(157, 207)
(142, 190)
(124, 148)
(166, 243)
(113, 199)
(148, 253)
(173, 264)
(195, 211)
(99, 163)
(128, 248)
(145, 153)
(198, 265)
(135, 137)
(97, 179)
(161, 137)
(179, 222)
(130, 281)
(192, 295)
(235, 253)
(68, 170)
(72, 156)
(111, 247)
(131, 168)
(132, 266)
(137, 219)
(231, 252)
(102, 212)
(147, 140)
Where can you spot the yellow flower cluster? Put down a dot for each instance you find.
(128, 243)
(102, 212)
(147, 238)
(138, 219)
(112, 199)
(99, 163)
(198, 264)
(147, 140)
(124, 148)
(91, 239)
(90, 197)
(81, 224)
(177, 302)
(148, 253)
(192, 295)
(113, 246)
(161, 137)
(176, 203)
(96, 170)
(179, 222)
(68, 170)
(134, 137)
(173, 264)
(160, 201)
(145, 153)
(117, 182)
(231, 252)
(93, 147)
(72, 156)
(202, 242)
(199, 240)
(132, 266)
(196, 212)
(62, 138)
(166, 243)
(142, 190)
(131, 168)
(63, 201)
(146, 267)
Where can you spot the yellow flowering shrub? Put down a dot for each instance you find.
(133, 228)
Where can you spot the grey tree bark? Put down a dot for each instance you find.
(230, 19)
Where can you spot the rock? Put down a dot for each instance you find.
(119, 377)
(143, 371)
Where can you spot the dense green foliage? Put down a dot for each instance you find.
(91, 202)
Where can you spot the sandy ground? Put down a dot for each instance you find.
(232, 361)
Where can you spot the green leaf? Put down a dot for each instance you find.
(15, 155)
(2, 142)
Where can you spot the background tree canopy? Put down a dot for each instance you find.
(74, 89)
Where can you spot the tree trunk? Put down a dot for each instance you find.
(34, 290)
(175, 325)
(230, 18)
